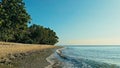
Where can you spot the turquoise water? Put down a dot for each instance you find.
(90, 57)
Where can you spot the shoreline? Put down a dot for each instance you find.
(33, 58)
(54, 62)
(77, 62)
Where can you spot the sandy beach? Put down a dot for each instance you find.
(15, 55)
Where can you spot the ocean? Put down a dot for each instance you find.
(87, 57)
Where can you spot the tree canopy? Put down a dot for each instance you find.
(14, 21)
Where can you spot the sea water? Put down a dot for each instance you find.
(89, 57)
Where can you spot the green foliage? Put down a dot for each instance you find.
(13, 19)
(41, 35)
(14, 25)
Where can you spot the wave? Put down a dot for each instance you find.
(53, 60)
(72, 62)
(61, 60)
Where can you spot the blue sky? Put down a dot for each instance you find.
(78, 21)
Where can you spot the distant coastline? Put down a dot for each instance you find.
(90, 45)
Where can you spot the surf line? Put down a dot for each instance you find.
(59, 52)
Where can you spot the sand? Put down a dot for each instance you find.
(15, 55)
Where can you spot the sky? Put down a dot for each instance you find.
(78, 22)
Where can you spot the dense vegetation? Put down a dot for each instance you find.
(14, 21)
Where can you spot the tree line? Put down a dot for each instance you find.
(14, 21)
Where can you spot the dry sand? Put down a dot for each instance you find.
(15, 55)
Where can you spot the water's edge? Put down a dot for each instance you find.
(60, 60)
(52, 60)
